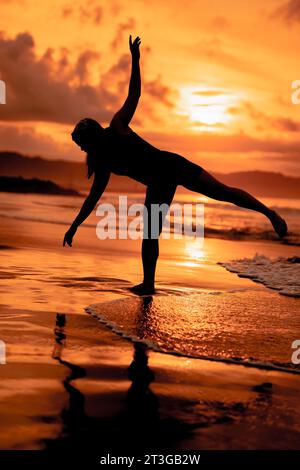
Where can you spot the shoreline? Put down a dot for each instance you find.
(154, 348)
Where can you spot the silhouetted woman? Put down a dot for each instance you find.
(117, 149)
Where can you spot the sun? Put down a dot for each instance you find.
(206, 108)
(195, 250)
(209, 115)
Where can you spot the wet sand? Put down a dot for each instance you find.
(69, 381)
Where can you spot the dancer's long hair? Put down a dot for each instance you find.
(91, 164)
(88, 131)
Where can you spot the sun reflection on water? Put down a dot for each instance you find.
(194, 252)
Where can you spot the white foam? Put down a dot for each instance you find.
(280, 273)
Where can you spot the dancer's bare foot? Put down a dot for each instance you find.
(279, 224)
(143, 289)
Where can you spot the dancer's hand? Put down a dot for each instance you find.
(69, 236)
(135, 47)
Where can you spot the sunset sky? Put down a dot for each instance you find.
(216, 77)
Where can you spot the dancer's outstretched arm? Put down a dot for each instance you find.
(123, 117)
(97, 189)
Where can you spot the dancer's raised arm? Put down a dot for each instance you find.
(123, 117)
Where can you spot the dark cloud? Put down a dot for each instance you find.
(216, 50)
(119, 70)
(82, 64)
(210, 92)
(87, 12)
(153, 89)
(158, 91)
(204, 125)
(286, 124)
(129, 26)
(42, 89)
(30, 142)
(263, 120)
(67, 11)
(50, 88)
(115, 7)
(220, 23)
(289, 11)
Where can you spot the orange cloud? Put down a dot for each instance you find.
(266, 122)
(289, 11)
(90, 12)
(215, 50)
(51, 89)
(220, 23)
(194, 46)
(28, 141)
(122, 28)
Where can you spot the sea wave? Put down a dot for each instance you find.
(247, 233)
(281, 274)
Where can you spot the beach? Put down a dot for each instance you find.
(119, 374)
(123, 122)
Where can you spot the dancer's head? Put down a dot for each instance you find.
(86, 133)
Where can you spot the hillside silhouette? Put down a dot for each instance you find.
(72, 175)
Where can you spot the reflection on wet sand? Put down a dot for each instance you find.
(137, 425)
(140, 419)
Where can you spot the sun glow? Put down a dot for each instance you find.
(195, 250)
(207, 109)
(210, 115)
(194, 253)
